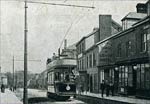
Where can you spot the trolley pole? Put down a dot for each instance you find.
(25, 94)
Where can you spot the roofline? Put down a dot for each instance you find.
(92, 33)
(80, 40)
(125, 31)
(130, 17)
(141, 21)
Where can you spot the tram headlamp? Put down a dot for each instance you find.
(67, 87)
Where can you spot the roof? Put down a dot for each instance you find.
(96, 29)
(146, 19)
(134, 15)
(73, 46)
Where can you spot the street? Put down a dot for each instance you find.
(36, 96)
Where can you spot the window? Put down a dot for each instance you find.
(143, 76)
(94, 60)
(128, 48)
(90, 60)
(82, 64)
(123, 75)
(119, 50)
(87, 62)
(144, 41)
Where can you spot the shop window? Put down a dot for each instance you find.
(111, 75)
(142, 76)
(138, 76)
(124, 76)
(147, 76)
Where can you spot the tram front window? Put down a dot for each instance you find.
(57, 76)
(66, 76)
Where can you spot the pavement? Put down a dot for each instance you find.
(9, 97)
(130, 99)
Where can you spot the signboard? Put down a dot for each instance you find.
(105, 53)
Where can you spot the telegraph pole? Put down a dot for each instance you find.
(25, 93)
(13, 73)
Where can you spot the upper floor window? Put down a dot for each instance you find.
(94, 59)
(128, 48)
(119, 50)
(87, 62)
(144, 41)
(90, 60)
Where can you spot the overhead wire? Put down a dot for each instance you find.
(70, 29)
(69, 5)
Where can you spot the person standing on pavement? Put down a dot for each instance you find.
(3, 88)
(112, 88)
(107, 88)
(102, 87)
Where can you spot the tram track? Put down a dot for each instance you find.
(39, 97)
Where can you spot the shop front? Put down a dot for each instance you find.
(127, 79)
(134, 79)
(143, 80)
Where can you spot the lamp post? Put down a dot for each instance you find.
(25, 94)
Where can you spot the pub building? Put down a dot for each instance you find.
(124, 58)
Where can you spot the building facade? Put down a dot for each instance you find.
(88, 52)
(124, 59)
(116, 56)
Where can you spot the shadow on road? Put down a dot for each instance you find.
(40, 100)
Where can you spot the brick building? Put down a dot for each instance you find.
(122, 58)
(87, 52)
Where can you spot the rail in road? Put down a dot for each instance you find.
(39, 97)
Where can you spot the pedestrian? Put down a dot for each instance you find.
(3, 88)
(112, 88)
(80, 89)
(102, 87)
(107, 88)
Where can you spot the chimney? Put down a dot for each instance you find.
(65, 43)
(105, 23)
(148, 8)
(141, 8)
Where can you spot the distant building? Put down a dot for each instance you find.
(19, 78)
(3, 79)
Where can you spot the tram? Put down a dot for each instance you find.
(61, 79)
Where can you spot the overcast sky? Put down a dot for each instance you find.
(47, 25)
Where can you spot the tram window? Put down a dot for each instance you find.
(62, 77)
(66, 76)
(56, 76)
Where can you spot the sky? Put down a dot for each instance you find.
(47, 26)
